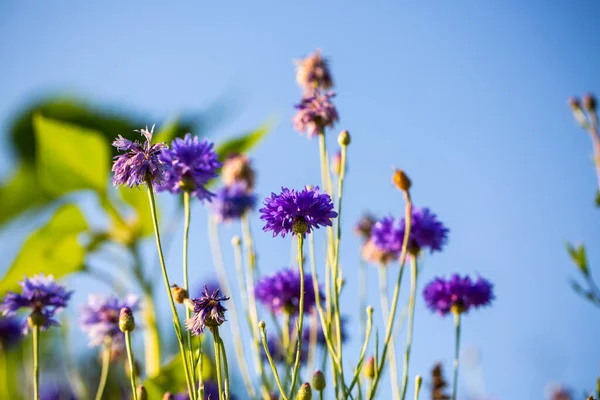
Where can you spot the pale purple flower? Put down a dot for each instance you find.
(190, 164)
(232, 202)
(100, 318)
(458, 294)
(313, 72)
(307, 207)
(281, 292)
(140, 162)
(208, 312)
(315, 113)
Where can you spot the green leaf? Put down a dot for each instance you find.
(79, 160)
(137, 198)
(243, 143)
(53, 249)
(579, 257)
(20, 193)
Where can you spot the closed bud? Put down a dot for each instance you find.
(179, 294)
(262, 324)
(401, 180)
(344, 138)
(588, 101)
(418, 382)
(238, 169)
(142, 394)
(305, 392)
(574, 103)
(126, 321)
(369, 369)
(236, 240)
(318, 381)
(168, 396)
(36, 318)
(336, 163)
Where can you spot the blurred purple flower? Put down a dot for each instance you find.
(281, 292)
(189, 165)
(140, 162)
(313, 72)
(457, 294)
(231, 202)
(10, 332)
(315, 113)
(40, 293)
(208, 312)
(308, 206)
(100, 318)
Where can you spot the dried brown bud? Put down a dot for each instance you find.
(179, 294)
(237, 168)
(588, 101)
(401, 180)
(574, 103)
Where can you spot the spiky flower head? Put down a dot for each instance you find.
(208, 312)
(315, 113)
(42, 295)
(426, 232)
(190, 164)
(457, 294)
(232, 202)
(140, 162)
(237, 168)
(280, 292)
(296, 212)
(100, 318)
(313, 72)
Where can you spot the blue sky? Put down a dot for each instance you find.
(470, 99)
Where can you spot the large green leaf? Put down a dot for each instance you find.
(79, 160)
(20, 193)
(243, 143)
(53, 249)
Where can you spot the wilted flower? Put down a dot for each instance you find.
(208, 312)
(313, 72)
(425, 232)
(457, 294)
(236, 169)
(231, 202)
(315, 113)
(42, 295)
(281, 292)
(189, 165)
(10, 332)
(296, 211)
(100, 318)
(140, 162)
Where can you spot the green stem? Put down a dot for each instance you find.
(263, 334)
(362, 295)
(385, 312)
(456, 355)
(176, 323)
(300, 313)
(186, 285)
(217, 347)
(225, 368)
(131, 364)
(199, 367)
(411, 320)
(325, 179)
(36, 362)
(390, 323)
(363, 351)
(104, 373)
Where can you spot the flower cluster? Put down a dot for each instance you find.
(208, 311)
(100, 318)
(313, 72)
(426, 232)
(280, 292)
(457, 294)
(41, 294)
(315, 113)
(297, 212)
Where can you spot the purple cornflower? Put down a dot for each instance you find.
(189, 165)
(208, 312)
(40, 294)
(315, 113)
(425, 232)
(231, 202)
(296, 211)
(457, 294)
(281, 292)
(100, 318)
(10, 332)
(140, 162)
(313, 72)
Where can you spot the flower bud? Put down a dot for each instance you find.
(179, 294)
(401, 180)
(236, 169)
(336, 163)
(318, 381)
(36, 318)
(369, 368)
(126, 321)
(305, 392)
(236, 240)
(574, 103)
(168, 396)
(344, 138)
(262, 324)
(142, 394)
(588, 101)
(418, 383)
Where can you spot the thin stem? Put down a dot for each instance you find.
(362, 294)
(176, 323)
(300, 312)
(217, 347)
(186, 233)
(104, 373)
(263, 334)
(385, 313)
(390, 324)
(131, 364)
(456, 355)
(418, 383)
(363, 351)
(411, 321)
(225, 368)
(200, 366)
(36, 362)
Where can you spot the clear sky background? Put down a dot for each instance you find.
(469, 98)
